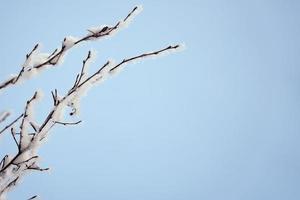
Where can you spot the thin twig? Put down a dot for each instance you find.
(133, 10)
(33, 197)
(23, 67)
(38, 169)
(3, 161)
(144, 55)
(52, 53)
(27, 160)
(12, 123)
(35, 128)
(68, 123)
(13, 133)
(83, 67)
(24, 117)
(11, 183)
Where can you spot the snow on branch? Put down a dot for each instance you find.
(27, 134)
(35, 61)
(28, 144)
(105, 30)
(27, 122)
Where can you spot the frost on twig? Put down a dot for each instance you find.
(105, 30)
(35, 61)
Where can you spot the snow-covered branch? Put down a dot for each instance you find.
(28, 144)
(35, 61)
(30, 135)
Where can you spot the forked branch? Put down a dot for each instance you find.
(31, 66)
(13, 167)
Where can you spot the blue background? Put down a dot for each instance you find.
(217, 121)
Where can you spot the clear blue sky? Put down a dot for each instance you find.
(218, 121)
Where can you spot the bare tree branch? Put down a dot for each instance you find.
(35, 128)
(68, 123)
(33, 197)
(38, 168)
(145, 55)
(83, 68)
